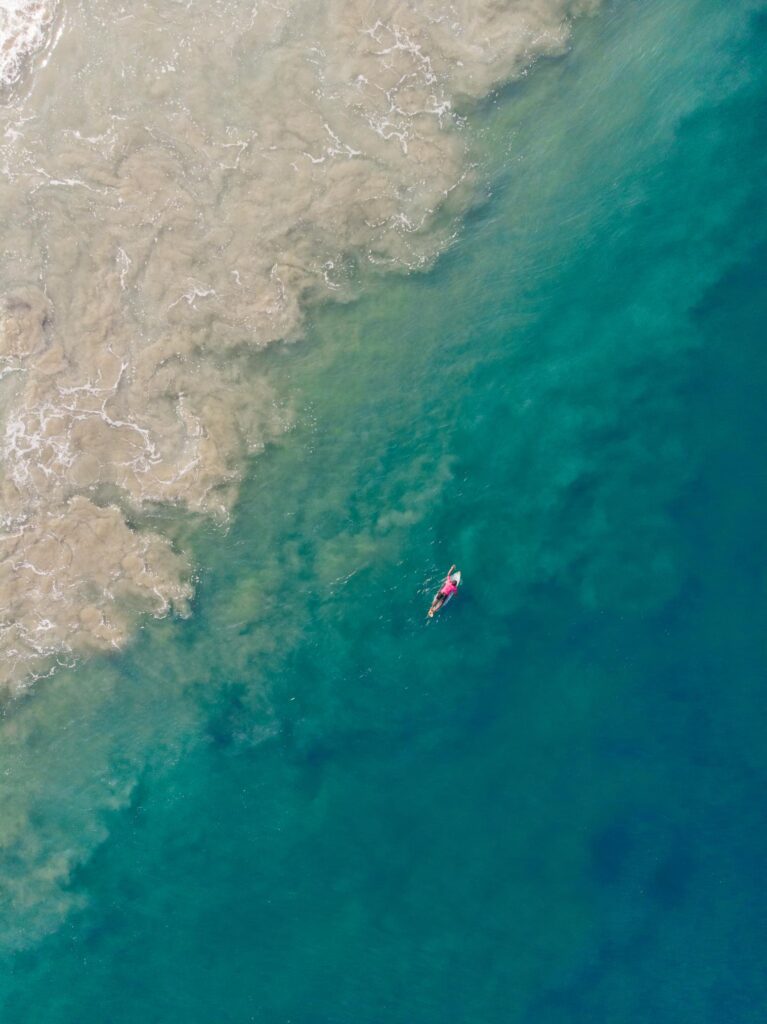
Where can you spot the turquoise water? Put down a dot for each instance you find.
(306, 804)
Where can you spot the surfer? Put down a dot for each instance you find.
(446, 591)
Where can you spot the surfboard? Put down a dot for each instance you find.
(456, 578)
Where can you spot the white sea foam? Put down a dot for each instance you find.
(24, 28)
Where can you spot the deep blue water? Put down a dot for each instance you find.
(547, 806)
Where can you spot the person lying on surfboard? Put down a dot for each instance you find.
(445, 592)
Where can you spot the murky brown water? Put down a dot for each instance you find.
(179, 181)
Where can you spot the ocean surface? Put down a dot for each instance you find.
(302, 803)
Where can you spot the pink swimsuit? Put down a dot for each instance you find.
(449, 587)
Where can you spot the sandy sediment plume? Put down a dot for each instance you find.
(179, 182)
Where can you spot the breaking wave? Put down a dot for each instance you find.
(24, 31)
